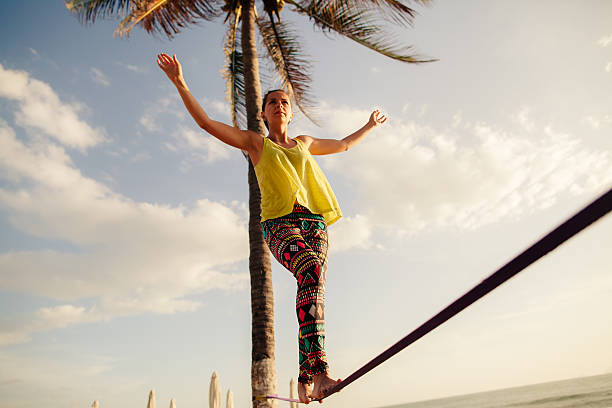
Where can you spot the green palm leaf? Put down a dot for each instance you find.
(234, 73)
(395, 10)
(172, 15)
(362, 25)
(88, 10)
(167, 16)
(232, 7)
(293, 67)
(273, 8)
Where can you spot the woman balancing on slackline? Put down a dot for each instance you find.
(297, 205)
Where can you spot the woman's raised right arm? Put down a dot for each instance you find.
(242, 139)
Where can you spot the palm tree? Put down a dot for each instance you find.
(358, 20)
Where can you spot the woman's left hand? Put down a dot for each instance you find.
(171, 66)
(377, 118)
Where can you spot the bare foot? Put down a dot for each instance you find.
(323, 383)
(304, 391)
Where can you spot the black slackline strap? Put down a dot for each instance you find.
(549, 242)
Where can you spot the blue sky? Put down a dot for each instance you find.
(123, 241)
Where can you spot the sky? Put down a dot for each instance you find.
(123, 240)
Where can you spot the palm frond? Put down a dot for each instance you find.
(362, 25)
(291, 65)
(89, 10)
(394, 10)
(168, 16)
(131, 20)
(273, 8)
(232, 7)
(234, 74)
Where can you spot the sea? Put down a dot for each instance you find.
(591, 392)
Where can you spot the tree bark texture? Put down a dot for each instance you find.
(263, 369)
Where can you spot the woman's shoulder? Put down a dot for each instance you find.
(305, 139)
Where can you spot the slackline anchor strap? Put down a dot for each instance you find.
(581, 220)
(274, 396)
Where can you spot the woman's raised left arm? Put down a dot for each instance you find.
(329, 146)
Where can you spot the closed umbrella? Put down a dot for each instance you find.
(215, 392)
(230, 399)
(151, 403)
(292, 393)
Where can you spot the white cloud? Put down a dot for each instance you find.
(150, 119)
(40, 108)
(14, 336)
(99, 77)
(207, 148)
(149, 122)
(522, 118)
(129, 257)
(593, 121)
(171, 147)
(423, 110)
(220, 107)
(352, 232)
(457, 120)
(131, 67)
(13, 332)
(64, 315)
(597, 121)
(413, 177)
(140, 157)
(605, 40)
(51, 375)
(57, 202)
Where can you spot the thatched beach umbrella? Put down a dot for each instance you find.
(229, 403)
(151, 403)
(95, 404)
(292, 393)
(214, 396)
(172, 403)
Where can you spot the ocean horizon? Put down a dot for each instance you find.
(592, 392)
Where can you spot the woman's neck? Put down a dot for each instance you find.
(278, 134)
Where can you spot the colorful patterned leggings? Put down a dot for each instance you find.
(299, 242)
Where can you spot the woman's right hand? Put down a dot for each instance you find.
(171, 67)
(242, 139)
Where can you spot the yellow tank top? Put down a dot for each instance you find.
(287, 175)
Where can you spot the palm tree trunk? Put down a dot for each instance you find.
(263, 369)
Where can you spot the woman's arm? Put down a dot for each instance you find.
(329, 146)
(242, 139)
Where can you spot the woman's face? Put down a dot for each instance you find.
(277, 108)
